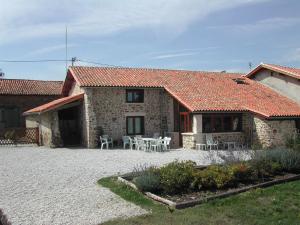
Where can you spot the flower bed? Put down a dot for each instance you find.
(182, 184)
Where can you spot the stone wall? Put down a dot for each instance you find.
(174, 139)
(272, 133)
(75, 89)
(48, 125)
(188, 140)
(106, 107)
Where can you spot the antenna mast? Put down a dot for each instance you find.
(250, 65)
(66, 48)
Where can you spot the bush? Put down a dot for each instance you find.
(215, 176)
(243, 172)
(176, 177)
(275, 161)
(288, 159)
(148, 182)
(293, 143)
(264, 167)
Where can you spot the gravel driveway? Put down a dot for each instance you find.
(41, 186)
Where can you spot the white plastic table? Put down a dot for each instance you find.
(147, 141)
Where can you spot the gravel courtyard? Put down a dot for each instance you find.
(41, 186)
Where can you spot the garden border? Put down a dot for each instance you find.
(191, 203)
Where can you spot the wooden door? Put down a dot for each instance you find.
(185, 125)
(185, 122)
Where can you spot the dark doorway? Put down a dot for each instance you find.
(69, 126)
(298, 125)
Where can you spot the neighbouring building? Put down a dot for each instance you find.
(17, 96)
(285, 80)
(185, 105)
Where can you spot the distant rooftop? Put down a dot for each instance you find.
(29, 87)
(288, 71)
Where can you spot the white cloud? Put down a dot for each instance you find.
(292, 56)
(49, 49)
(175, 55)
(261, 25)
(180, 53)
(23, 19)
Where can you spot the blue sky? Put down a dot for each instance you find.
(210, 35)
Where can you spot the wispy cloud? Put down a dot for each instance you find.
(167, 56)
(261, 25)
(180, 53)
(22, 19)
(49, 49)
(292, 56)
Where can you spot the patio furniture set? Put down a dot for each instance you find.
(213, 144)
(138, 142)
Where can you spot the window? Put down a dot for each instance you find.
(135, 125)
(134, 95)
(9, 117)
(222, 123)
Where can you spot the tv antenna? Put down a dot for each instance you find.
(66, 39)
(1, 73)
(250, 65)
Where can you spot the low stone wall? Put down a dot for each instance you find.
(237, 137)
(188, 140)
(272, 133)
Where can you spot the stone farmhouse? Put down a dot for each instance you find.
(185, 105)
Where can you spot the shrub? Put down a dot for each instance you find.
(274, 161)
(176, 177)
(263, 167)
(243, 172)
(215, 176)
(293, 143)
(289, 160)
(148, 182)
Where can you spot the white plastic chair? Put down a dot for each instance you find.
(126, 141)
(210, 142)
(103, 141)
(156, 145)
(166, 143)
(132, 143)
(140, 144)
(109, 141)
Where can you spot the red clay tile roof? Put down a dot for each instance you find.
(288, 71)
(30, 87)
(54, 104)
(198, 91)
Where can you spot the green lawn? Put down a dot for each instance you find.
(279, 204)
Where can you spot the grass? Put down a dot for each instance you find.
(276, 205)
